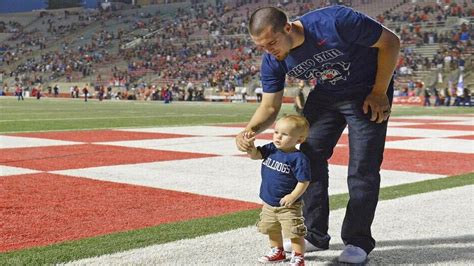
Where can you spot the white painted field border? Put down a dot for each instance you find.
(25, 142)
(434, 144)
(10, 171)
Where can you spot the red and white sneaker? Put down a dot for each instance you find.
(296, 259)
(275, 255)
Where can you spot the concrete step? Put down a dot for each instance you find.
(427, 50)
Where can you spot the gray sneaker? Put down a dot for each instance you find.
(308, 246)
(353, 254)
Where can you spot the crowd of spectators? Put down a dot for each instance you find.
(216, 55)
(428, 12)
(147, 53)
(418, 25)
(450, 57)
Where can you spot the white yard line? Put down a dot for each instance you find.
(9, 171)
(434, 144)
(25, 142)
(436, 117)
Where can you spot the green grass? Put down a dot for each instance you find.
(69, 114)
(401, 110)
(96, 246)
(66, 114)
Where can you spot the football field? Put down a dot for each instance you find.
(148, 183)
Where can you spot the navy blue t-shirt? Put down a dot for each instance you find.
(336, 53)
(281, 171)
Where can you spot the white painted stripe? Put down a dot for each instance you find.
(425, 133)
(399, 124)
(338, 178)
(193, 130)
(421, 132)
(23, 142)
(222, 131)
(434, 144)
(208, 145)
(459, 123)
(429, 228)
(226, 176)
(9, 170)
(433, 117)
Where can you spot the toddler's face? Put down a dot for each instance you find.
(286, 136)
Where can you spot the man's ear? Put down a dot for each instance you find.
(287, 27)
(301, 140)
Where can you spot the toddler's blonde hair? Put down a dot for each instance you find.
(299, 122)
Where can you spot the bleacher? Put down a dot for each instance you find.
(164, 29)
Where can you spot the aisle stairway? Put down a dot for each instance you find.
(428, 50)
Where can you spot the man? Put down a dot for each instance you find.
(447, 96)
(352, 58)
(299, 98)
(56, 90)
(19, 92)
(85, 90)
(427, 95)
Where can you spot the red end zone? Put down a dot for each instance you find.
(42, 209)
(86, 155)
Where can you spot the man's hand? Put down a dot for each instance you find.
(245, 140)
(379, 106)
(287, 200)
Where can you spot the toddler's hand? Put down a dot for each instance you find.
(249, 135)
(287, 200)
(244, 140)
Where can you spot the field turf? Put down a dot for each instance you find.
(52, 180)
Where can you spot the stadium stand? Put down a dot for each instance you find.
(201, 49)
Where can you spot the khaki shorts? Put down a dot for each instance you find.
(288, 220)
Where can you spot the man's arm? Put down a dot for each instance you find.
(263, 118)
(298, 102)
(266, 113)
(389, 48)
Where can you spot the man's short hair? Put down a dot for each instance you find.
(265, 17)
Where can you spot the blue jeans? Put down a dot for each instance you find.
(328, 116)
